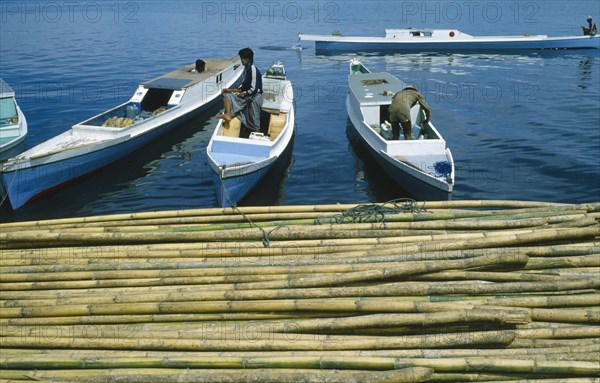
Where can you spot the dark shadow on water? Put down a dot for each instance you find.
(68, 201)
(17, 149)
(379, 187)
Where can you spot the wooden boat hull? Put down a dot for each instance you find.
(239, 164)
(12, 131)
(234, 183)
(39, 171)
(28, 183)
(9, 142)
(422, 165)
(418, 184)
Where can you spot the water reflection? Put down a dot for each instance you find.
(585, 72)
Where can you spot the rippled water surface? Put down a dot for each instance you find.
(520, 126)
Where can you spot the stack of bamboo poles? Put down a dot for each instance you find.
(463, 291)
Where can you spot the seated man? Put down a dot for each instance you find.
(246, 101)
(591, 29)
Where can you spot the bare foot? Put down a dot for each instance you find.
(226, 117)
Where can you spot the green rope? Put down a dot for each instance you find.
(373, 213)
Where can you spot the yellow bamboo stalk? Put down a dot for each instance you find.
(233, 272)
(559, 333)
(501, 353)
(292, 281)
(400, 289)
(299, 208)
(467, 364)
(588, 260)
(305, 222)
(504, 378)
(316, 342)
(409, 375)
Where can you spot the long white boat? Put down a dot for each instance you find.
(13, 125)
(422, 39)
(155, 107)
(240, 158)
(423, 166)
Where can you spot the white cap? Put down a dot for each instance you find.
(589, 17)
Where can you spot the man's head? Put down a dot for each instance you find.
(589, 18)
(247, 56)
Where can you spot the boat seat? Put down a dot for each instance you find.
(231, 128)
(276, 125)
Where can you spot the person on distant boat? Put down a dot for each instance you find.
(399, 112)
(591, 29)
(246, 101)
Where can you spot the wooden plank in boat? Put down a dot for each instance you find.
(231, 128)
(276, 125)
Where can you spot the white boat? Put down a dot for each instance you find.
(155, 107)
(423, 166)
(422, 39)
(13, 125)
(238, 160)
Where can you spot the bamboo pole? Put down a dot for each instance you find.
(409, 375)
(292, 281)
(305, 222)
(505, 378)
(467, 364)
(480, 204)
(357, 303)
(397, 289)
(501, 353)
(32, 238)
(471, 294)
(312, 342)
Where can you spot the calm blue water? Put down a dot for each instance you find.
(520, 126)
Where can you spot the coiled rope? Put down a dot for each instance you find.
(373, 213)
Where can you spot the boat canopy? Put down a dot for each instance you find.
(185, 77)
(167, 83)
(374, 88)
